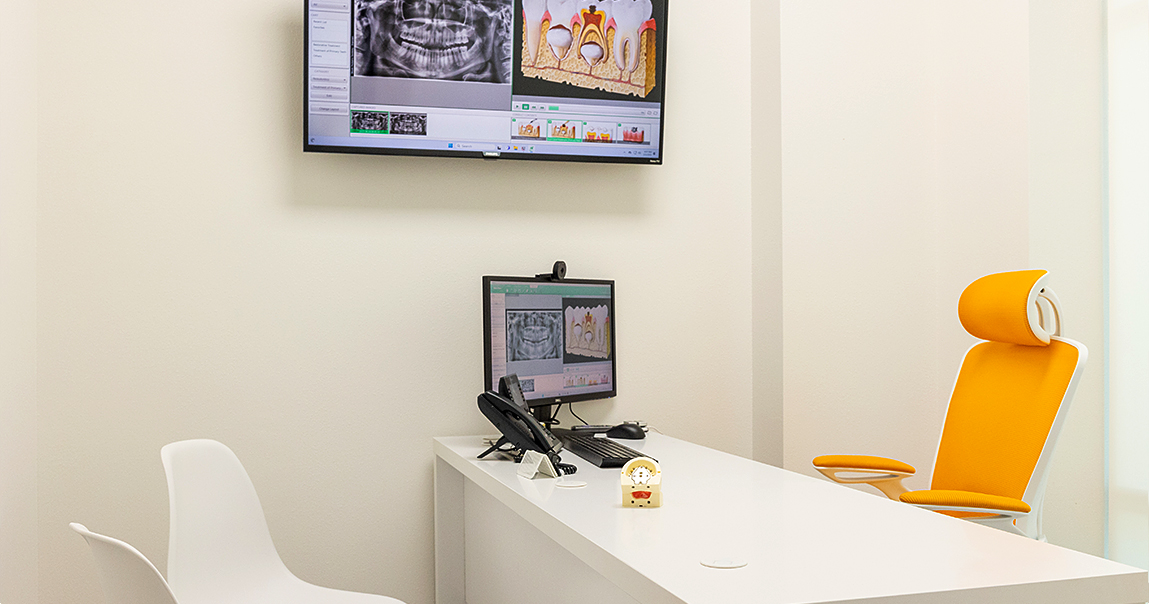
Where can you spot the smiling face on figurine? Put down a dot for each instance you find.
(641, 475)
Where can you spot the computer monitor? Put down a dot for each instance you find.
(557, 336)
(560, 80)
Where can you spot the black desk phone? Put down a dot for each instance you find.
(520, 429)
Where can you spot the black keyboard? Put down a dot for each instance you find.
(602, 452)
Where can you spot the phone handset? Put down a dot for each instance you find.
(517, 425)
(519, 429)
(510, 387)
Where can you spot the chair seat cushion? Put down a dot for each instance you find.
(863, 462)
(965, 499)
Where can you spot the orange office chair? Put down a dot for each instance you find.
(1008, 404)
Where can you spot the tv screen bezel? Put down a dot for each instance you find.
(488, 380)
(309, 147)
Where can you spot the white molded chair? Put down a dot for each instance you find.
(127, 576)
(219, 548)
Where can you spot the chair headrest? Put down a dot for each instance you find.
(1013, 307)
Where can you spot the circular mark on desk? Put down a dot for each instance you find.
(570, 484)
(724, 562)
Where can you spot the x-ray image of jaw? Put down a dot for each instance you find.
(534, 335)
(468, 40)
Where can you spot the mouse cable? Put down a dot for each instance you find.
(571, 410)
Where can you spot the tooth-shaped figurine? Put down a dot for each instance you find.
(629, 15)
(533, 11)
(594, 15)
(560, 37)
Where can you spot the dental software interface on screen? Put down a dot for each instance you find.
(557, 77)
(557, 337)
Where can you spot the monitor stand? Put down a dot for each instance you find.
(544, 415)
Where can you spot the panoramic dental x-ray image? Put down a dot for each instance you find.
(534, 335)
(467, 40)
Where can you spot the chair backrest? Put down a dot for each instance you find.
(127, 576)
(1012, 392)
(218, 540)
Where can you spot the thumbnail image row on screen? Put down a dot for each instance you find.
(526, 129)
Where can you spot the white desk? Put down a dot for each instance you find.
(502, 539)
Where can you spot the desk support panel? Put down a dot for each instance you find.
(449, 545)
(508, 560)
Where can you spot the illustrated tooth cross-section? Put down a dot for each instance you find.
(599, 44)
(588, 331)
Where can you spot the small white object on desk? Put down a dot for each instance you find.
(724, 562)
(534, 464)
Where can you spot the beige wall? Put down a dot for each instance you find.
(18, 302)
(904, 169)
(201, 277)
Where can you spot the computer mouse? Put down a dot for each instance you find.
(626, 431)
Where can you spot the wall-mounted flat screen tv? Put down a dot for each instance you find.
(577, 80)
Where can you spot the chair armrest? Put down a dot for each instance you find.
(942, 500)
(882, 473)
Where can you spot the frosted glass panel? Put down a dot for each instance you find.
(1128, 356)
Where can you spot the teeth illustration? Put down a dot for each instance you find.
(560, 37)
(591, 53)
(583, 36)
(533, 11)
(629, 15)
(602, 6)
(595, 14)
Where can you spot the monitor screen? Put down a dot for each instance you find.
(578, 80)
(557, 336)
